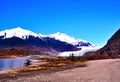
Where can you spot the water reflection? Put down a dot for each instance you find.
(15, 63)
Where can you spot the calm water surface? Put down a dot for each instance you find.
(15, 63)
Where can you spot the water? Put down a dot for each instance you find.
(16, 63)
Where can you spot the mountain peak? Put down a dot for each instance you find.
(24, 34)
(59, 33)
(18, 28)
(62, 37)
(116, 37)
(17, 32)
(65, 38)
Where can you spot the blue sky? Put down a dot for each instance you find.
(92, 20)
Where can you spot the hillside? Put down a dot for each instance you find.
(111, 49)
(20, 41)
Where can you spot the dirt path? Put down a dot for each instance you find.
(96, 71)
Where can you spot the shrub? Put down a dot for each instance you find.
(72, 57)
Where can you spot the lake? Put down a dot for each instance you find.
(16, 63)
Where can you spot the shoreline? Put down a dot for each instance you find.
(70, 70)
(12, 74)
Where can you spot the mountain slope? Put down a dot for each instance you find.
(111, 49)
(65, 38)
(35, 41)
(24, 34)
(19, 38)
(53, 44)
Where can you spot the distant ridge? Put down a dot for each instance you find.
(19, 40)
(24, 34)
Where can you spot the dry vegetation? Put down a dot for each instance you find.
(60, 62)
(18, 52)
(53, 63)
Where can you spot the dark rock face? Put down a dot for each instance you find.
(112, 48)
(34, 45)
(87, 44)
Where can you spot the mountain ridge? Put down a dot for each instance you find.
(24, 34)
(18, 39)
(111, 49)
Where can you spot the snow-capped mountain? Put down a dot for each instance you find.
(36, 42)
(24, 34)
(18, 32)
(65, 38)
(18, 37)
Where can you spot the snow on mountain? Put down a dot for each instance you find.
(65, 38)
(80, 52)
(78, 43)
(24, 34)
(18, 32)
